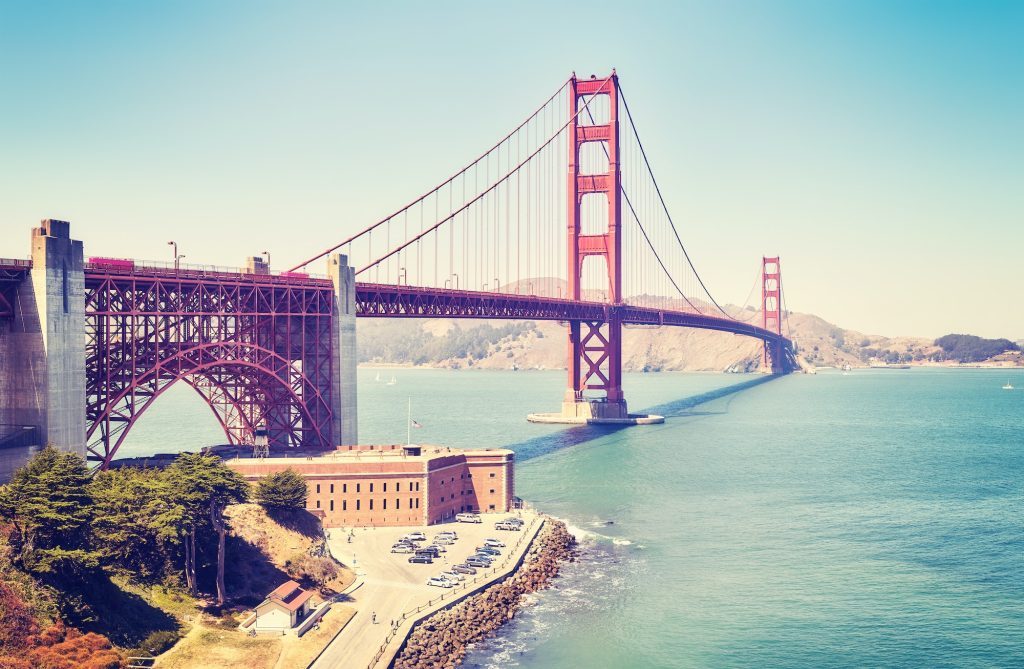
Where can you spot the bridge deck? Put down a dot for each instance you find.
(375, 300)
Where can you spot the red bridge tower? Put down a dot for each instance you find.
(595, 347)
(771, 314)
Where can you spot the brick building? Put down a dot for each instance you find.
(357, 486)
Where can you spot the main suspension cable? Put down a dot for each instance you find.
(664, 206)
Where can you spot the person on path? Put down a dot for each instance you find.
(373, 617)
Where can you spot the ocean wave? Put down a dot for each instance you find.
(599, 580)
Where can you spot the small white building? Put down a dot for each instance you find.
(284, 608)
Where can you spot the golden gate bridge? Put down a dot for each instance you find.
(562, 220)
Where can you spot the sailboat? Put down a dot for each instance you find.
(1008, 386)
(392, 382)
(377, 379)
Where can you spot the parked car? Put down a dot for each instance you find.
(483, 556)
(402, 548)
(443, 540)
(422, 559)
(448, 533)
(468, 518)
(488, 550)
(415, 536)
(452, 576)
(473, 561)
(437, 547)
(427, 551)
(464, 569)
(493, 543)
(505, 525)
(440, 582)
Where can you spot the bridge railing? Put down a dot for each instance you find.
(15, 262)
(117, 265)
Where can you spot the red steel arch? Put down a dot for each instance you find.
(257, 348)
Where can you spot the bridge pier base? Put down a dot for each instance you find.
(595, 412)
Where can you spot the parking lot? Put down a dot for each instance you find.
(392, 585)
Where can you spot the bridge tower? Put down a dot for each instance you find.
(595, 347)
(772, 357)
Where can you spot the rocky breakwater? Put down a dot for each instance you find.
(440, 641)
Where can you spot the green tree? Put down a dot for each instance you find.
(282, 490)
(204, 485)
(139, 520)
(48, 503)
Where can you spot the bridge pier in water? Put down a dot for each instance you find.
(594, 392)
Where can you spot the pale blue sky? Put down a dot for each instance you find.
(878, 147)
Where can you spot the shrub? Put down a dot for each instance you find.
(282, 490)
(159, 642)
(316, 568)
(16, 621)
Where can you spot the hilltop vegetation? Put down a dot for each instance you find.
(90, 564)
(968, 348)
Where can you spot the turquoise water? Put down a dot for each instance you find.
(868, 520)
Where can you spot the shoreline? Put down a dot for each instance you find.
(441, 640)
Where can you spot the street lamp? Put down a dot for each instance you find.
(403, 274)
(267, 253)
(177, 261)
(175, 245)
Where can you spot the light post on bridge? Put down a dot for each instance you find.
(403, 274)
(175, 245)
(177, 261)
(267, 253)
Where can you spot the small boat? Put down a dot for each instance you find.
(377, 379)
(392, 382)
(1008, 386)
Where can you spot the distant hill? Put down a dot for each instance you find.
(485, 344)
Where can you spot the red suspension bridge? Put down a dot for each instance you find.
(561, 220)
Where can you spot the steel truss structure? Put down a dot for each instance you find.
(12, 273)
(375, 300)
(258, 348)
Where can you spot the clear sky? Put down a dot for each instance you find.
(878, 147)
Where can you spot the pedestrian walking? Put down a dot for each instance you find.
(373, 617)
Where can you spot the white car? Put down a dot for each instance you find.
(452, 576)
(440, 582)
(444, 539)
(415, 536)
(402, 548)
(493, 543)
(448, 533)
(468, 518)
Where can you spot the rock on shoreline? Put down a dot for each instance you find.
(440, 641)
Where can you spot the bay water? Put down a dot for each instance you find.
(872, 519)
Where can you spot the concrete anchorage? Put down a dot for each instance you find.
(42, 350)
(343, 340)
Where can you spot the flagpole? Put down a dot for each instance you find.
(408, 425)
